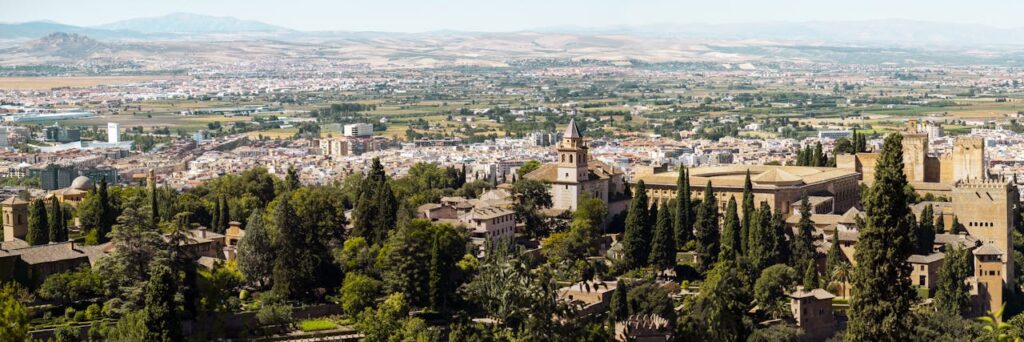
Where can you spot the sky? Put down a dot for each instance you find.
(515, 15)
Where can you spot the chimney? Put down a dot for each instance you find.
(202, 232)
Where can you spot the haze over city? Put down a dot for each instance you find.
(455, 170)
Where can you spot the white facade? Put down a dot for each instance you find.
(113, 132)
(358, 130)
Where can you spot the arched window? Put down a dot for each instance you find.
(563, 158)
(570, 159)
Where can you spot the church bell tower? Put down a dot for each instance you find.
(572, 156)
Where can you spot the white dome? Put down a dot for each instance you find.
(81, 183)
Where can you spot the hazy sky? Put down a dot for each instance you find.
(510, 15)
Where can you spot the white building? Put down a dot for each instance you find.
(113, 132)
(358, 130)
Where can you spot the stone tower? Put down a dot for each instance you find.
(572, 169)
(572, 156)
(985, 209)
(915, 151)
(988, 272)
(968, 158)
(15, 211)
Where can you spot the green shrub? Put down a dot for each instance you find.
(93, 312)
(274, 314)
(316, 325)
(69, 313)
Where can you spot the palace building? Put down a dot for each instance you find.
(829, 190)
(926, 172)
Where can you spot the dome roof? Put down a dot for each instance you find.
(81, 183)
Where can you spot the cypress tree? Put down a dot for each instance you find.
(835, 254)
(748, 213)
(731, 239)
(925, 232)
(620, 303)
(636, 239)
(387, 211)
(56, 216)
(38, 228)
(782, 236)
(882, 293)
(376, 209)
(294, 263)
(434, 277)
(215, 221)
(652, 219)
(817, 156)
(764, 245)
(954, 228)
(811, 276)
(663, 246)
(225, 214)
(154, 203)
(707, 233)
(107, 214)
(292, 179)
(256, 252)
(683, 224)
(803, 243)
(952, 294)
(940, 224)
(161, 316)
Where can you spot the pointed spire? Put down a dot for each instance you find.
(571, 131)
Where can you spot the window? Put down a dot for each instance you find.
(921, 280)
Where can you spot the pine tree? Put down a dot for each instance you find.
(952, 294)
(256, 252)
(731, 239)
(803, 243)
(811, 276)
(636, 239)
(882, 293)
(38, 228)
(707, 232)
(683, 224)
(161, 312)
(925, 232)
(748, 213)
(663, 246)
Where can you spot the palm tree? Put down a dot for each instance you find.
(994, 325)
(842, 273)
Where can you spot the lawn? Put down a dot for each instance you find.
(316, 325)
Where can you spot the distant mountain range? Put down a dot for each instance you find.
(191, 23)
(890, 32)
